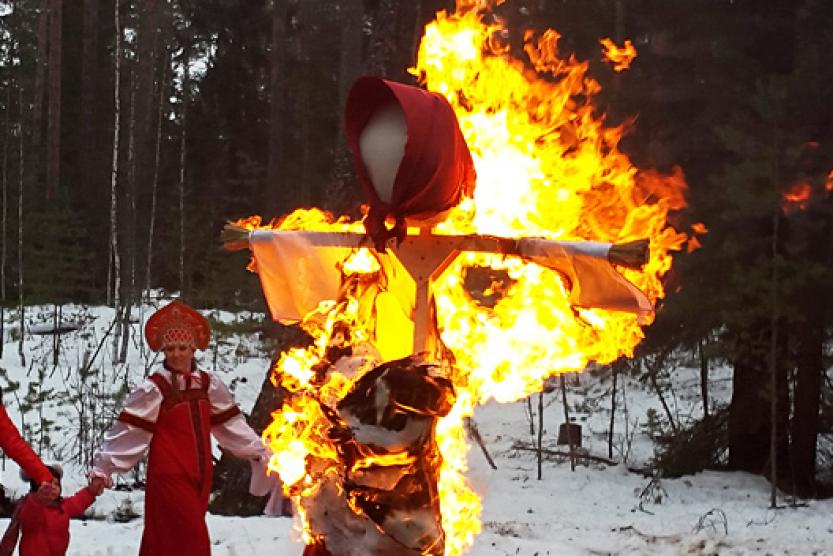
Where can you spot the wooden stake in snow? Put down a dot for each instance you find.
(540, 445)
(570, 440)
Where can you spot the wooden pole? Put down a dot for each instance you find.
(615, 369)
(570, 442)
(540, 432)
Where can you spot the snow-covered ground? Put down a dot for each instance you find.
(596, 509)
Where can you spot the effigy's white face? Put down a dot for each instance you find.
(179, 356)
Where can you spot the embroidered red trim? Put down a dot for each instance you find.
(136, 421)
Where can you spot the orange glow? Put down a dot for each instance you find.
(828, 185)
(547, 166)
(798, 196)
(620, 57)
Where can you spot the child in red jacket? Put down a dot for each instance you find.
(44, 526)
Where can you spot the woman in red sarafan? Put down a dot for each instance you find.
(172, 416)
(43, 526)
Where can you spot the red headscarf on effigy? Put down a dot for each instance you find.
(177, 322)
(436, 168)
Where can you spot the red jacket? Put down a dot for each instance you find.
(16, 448)
(45, 529)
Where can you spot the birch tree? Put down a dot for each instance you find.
(5, 218)
(114, 261)
(20, 174)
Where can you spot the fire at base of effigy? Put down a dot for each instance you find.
(573, 241)
(384, 500)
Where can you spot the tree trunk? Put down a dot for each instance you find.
(53, 164)
(750, 410)
(704, 378)
(773, 345)
(141, 149)
(350, 67)
(301, 109)
(149, 17)
(381, 38)
(806, 405)
(89, 77)
(40, 74)
(276, 199)
(183, 150)
(653, 369)
(20, 282)
(157, 160)
(123, 328)
(6, 137)
(114, 265)
(56, 337)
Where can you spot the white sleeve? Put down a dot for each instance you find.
(127, 441)
(229, 426)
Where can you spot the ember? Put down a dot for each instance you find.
(620, 57)
(371, 441)
(797, 196)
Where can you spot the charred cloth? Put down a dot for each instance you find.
(384, 428)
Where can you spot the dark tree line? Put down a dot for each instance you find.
(228, 108)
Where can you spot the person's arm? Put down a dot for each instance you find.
(127, 441)
(78, 503)
(16, 448)
(229, 426)
(234, 434)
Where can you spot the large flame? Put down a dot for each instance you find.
(547, 166)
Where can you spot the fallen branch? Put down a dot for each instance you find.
(646, 536)
(526, 447)
(474, 433)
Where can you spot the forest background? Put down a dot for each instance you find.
(131, 131)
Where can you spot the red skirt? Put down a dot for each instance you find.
(174, 518)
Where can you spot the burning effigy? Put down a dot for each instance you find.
(498, 172)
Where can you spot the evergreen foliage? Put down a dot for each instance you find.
(58, 266)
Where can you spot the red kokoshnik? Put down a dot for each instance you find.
(177, 323)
